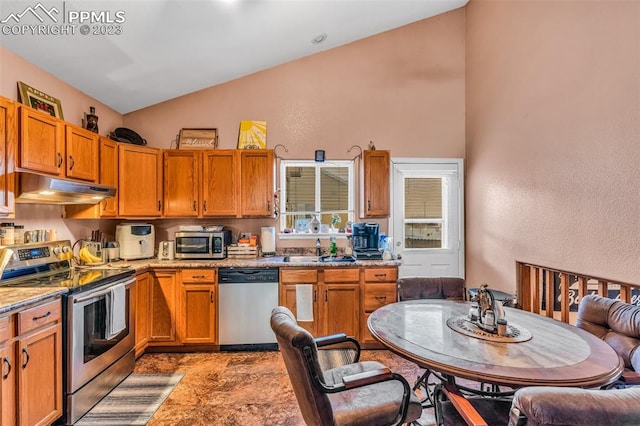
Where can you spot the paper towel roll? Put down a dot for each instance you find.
(268, 240)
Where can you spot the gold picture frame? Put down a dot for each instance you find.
(198, 139)
(39, 100)
(252, 135)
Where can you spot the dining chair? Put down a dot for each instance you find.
(544, 405)
(618, 324)
(361, 393)
(414, 288)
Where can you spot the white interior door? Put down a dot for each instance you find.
(427, 216)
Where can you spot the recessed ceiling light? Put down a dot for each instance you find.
(319, 38)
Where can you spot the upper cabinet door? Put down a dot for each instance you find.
(109, 175)
(82, 154)
(181, 183)
(8, 136)
(220, 183)
(256, 182)
(41, 142)
(376, 184)
(139, 181)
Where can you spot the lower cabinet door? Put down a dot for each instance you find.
(40, 376)
(199, 314)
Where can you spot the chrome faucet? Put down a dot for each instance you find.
(318, 248)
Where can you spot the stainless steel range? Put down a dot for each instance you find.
(98, 325)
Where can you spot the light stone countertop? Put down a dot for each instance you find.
(12, 298)
(275, 261)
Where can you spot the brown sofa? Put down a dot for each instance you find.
(618, 324)
(615, 322)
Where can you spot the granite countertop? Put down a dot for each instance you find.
(12, 298)
(275, 261)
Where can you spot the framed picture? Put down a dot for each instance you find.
(198, 139)
(253, 134)
(40, 100)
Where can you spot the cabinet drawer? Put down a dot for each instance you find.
(344, 275)
(5, 329)
(38, 316)
(299, 276)
(380, 274)
(378, 295)
(198, 276)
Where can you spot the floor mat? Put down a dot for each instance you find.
(133, 401)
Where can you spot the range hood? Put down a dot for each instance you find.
(38, 189)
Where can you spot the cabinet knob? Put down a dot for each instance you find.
(204, 205)
(195, 206)
(73, 163)
(59, 160)
(211, 296)
(159, 205)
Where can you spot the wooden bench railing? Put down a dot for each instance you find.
(567, 288)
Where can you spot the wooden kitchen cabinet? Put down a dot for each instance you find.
(256, 182)
(8, 143)
(220, 195)
(108, 175)
(218, 183)
(163, 307)
(36, 393)
(181, 183)
(376, 199)
(41, 144)
(142, 294)
(48, 145)
(290, 282)
(139, 181)
(339, 300)
(199, 301)
(81, 148)
(8, 381)
(379, 289)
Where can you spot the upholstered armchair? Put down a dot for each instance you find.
(533, 406)
(618, 324)
(361, 393)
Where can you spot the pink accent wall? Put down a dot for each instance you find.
(403, 89)
(553, 138)
(74, 102)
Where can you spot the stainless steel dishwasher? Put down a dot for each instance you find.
(246, 298)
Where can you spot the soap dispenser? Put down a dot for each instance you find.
(315, 224)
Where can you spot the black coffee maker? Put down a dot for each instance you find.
(365, 240)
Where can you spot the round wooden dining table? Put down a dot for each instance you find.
(555, 354)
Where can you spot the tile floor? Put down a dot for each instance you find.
(241, 388)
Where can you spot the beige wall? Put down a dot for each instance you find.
(553, 138)
(403, 89)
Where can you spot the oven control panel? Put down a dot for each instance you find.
(33, 253)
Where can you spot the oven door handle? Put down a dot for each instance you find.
(101, 293)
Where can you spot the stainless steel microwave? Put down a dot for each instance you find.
(202, 244)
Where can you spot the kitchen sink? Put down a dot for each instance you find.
(339, 259)
(300, 259)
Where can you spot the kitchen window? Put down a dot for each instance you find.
(316, 195)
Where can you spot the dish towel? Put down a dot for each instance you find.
(304, 302)
(116, 321)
